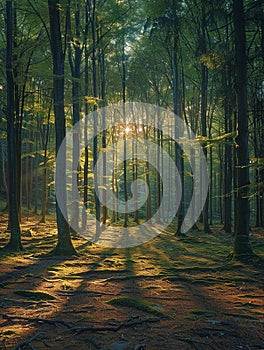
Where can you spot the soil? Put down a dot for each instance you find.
(169, 293)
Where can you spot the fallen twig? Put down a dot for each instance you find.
(190, 340)
(37, 319)
(28, 342)
(79, 330)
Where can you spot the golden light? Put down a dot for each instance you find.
(127, 130)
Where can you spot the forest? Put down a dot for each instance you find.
(132, 174)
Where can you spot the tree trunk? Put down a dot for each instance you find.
(103, 93)
(203, 113)
(14, 243)
(147, 174)
(228, 155)
(242, 248)
(64, 244)
(4, 175)
(125, 143)
(75, 65)
(86, 91)
(36, 197)
(95, 121)
(177, 149)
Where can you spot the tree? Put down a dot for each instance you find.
(204, 82)
(95, 121)
(45, 135)
(14, 226)
(75, 58)
(242, 248)
(64, 244)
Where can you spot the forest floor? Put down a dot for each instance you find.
(169, 293)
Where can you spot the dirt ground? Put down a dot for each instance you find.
(169, 293)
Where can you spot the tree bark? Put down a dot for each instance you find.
(95, 122)
(64, 244)
(242, 248)
(228, 156)
(14, 243)
(204, 114)
(124, 78)
(75, 59)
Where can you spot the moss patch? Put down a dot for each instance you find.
(199, 312)
(137, 304)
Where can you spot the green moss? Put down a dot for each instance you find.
(34, 295)
(203, 312)
(137, 304)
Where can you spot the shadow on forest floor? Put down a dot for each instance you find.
(169, 293)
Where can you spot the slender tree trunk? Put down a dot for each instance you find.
(220, 179)
(211, 175)
(228, 156)
(115, 214)
(204, 113)
(235, 175)
(36, 197)
(29, 177)
(4, 175)
(75, 57)
(147, 174)
(258, 138)
(44, 189)
(135, 175)
(86, 92)
(18, 118)
(242, 248)
(124, 77)
(103, 92)
(158, 177)
(45, 140)
(95, 124)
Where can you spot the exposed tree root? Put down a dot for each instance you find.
(37, 320)
(63, 252)
(27, 343)
(247, 258)
(78, 330)
(190, 340)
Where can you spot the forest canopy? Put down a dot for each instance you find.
(63, 60)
